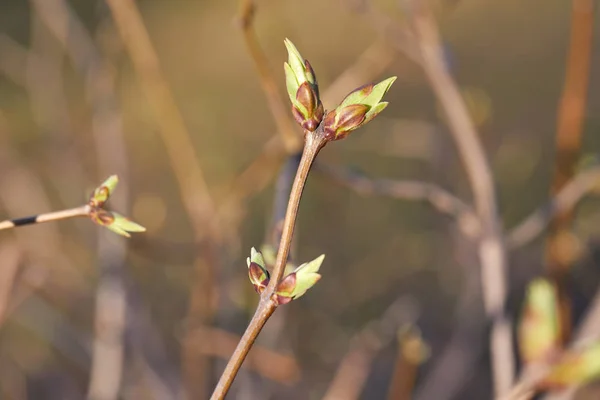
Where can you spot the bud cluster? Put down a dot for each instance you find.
(111, 220)
(292, 286)
(358, 108)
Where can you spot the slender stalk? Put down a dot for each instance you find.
(569, 137)
(47, 217)
(492, 253)
(314, 141)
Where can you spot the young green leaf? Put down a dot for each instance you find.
(115, 222)
(104, 191)
(299, 281)
(358, 107)
(539, 330)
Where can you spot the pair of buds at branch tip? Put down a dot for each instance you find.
(540, 341)
(292, 286)
(358, 108)
(109, 219)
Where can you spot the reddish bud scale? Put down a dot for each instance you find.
(287, 285)
(260, 288)
(283, 299)
(310, 75)
(307, 97)
(102, 217)
(337, 125)
(328, 126)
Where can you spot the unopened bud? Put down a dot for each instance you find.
(303, 89)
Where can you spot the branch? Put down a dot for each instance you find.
(440, 199)
(566, 199)
(268, 363)
(187, 169)
(491, 249)
(569, 134)
(354, 368)
(314, 141)
(179, 147)
(82, 211)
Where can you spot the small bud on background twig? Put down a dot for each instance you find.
(111, 220)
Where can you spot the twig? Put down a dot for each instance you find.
(565, 199)
(491, 249)
(50, 110)
(313, 143)
(411, 353)
(14, 59)
(525, 388)
(291, 139)
(192, 184)
(354, 368)
(82, 211)
(11, 261)
(268, 363)
(442, 200)
(111, 300)
(569, 135)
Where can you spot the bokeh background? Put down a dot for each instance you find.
(86, 313)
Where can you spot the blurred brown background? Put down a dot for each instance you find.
(75, 109)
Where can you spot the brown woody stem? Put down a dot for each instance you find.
(314, 141)
(47, 217)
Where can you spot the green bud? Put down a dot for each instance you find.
(299, 281)
(115, 222)
(539, 330)
(257, 272)
(358, 107)
(103, 192)
(256, 257)
(302, 88)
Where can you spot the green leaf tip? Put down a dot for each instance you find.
(539, 333)
(256, 257)
(104, 191)
(302, 88)
(295, 284)
(257, 272)
(115, 222)
(358, 107)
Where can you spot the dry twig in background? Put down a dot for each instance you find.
(569, 133)
(440, 199)
(570, 194)
(108, 357)
(491, 248)
(188, 172)
(268, 363)
(355, 366)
